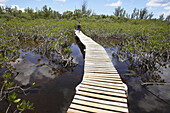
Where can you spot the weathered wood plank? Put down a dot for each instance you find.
(102, 97)
(99, 77)
(112, 103)
(76, 111)
(104, 86)
(114, 75)
(97, 59)
(101, 90)
(104, 80)
(105, 83)
(100, 69)
(100, 105)
(88, 108)
(103, 75)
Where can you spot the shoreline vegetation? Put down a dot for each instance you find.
(142, 37)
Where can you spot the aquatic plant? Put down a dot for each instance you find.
(47, 36)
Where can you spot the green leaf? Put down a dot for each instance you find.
(12, 97)
(17, 100)
(32, 84)
(7, 75)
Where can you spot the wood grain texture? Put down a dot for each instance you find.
(101, 90)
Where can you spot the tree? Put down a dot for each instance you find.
(168, 18)
(67, 14)
(143, 13)
(46, 11)
(1, 9)
(84, 10)
(119, 12)
(124, 13)
(77, 13)
(135, 14)
(127, 15)
(8, 10)
(40, 14)
(150, 15)
(84, 7)
(56, 14)
(88, 12)
(161, 17)
(30, 11)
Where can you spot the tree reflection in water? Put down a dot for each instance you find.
(46, 63)
(41, 63)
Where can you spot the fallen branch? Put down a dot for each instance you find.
(154, 83)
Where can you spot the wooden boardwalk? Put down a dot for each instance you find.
(101, 90)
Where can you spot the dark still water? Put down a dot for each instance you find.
(55, 78)
(54, 81)
(148, 90)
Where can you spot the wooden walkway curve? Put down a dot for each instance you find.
(101, 90)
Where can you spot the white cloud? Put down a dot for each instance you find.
(3, 1)
(166, 13)
(118, 3)
(167, 8)
(15, 6)
(158, 3)
(2, 5)
(18, 8)
(60, 0)
(22, 9)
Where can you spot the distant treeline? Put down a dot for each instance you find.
(48, 13)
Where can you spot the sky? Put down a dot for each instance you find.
(106, 7)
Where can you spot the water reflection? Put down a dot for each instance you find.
(154, 96)
(55, 72)
(81, 46)
(31, 64)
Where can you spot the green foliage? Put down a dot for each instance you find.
(119, 12)
(8, 93)
(25, 105)
(67, 51)
(143, 13)
(51, 35)
(142, 35)
(161, 17)
(47, 13)
(53, 31)
(168, 18)
(12, 97)
(7, 76)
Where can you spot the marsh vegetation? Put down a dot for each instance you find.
(38, 48)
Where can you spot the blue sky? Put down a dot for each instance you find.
(107, 7)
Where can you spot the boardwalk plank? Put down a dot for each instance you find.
(104, 86)
(101, 106)
(102, 97)
(103, 80)
(101, 90)
(105, 83)
(76, 111)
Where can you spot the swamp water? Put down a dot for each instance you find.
(152, 97)
(55, 84)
